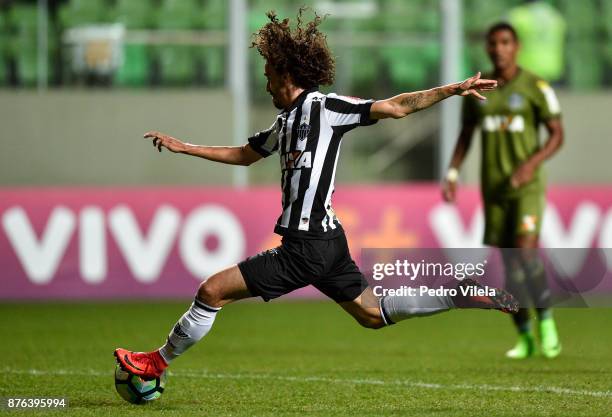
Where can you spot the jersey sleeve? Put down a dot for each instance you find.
(265, 142)
(469, 112)
(545, 101)
(348, 112)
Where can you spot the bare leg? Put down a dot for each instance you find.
(220, 289)
(223, 287)
(365, 310)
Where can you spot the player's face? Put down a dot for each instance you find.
(274, 86)
(502, 48)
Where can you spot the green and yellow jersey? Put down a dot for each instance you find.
(509, 120)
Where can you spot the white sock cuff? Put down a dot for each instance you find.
(205, 306)
(383, 312)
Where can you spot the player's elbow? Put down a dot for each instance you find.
(249, 161)
(246, 158)
(388, 109)
(397, 112)
(556, 134)
(555, 142)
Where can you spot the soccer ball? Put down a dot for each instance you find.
(136, 390)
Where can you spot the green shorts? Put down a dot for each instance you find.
(508, 218)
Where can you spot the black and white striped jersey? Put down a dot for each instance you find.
(307, 136)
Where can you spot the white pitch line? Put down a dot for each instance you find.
(405, 383)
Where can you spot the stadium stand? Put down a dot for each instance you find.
(409, 66)
(584, 62)
(483, 13)
(4, 49)
(178, 62)
(82, 12)
(214, 18)
(257, 18)
(22, 44)
(607, 18)
(137, 58)
(394, 66)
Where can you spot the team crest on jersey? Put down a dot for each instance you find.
(515, 101)
(303, 131)
(529, 223)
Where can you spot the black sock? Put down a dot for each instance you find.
(537, 286)
(521, 321)
(544, 313)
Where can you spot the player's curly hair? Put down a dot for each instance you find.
(302, 53)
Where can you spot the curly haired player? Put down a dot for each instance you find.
(306, 134)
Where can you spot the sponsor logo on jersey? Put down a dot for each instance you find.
(496, 123)
(515, 101)
(296, 160)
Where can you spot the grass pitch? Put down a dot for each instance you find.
(306, 358)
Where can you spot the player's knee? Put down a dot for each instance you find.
(209, 294)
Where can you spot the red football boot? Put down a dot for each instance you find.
(147, 365)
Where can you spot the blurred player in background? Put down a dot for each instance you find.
(512, 183)
(307, 134)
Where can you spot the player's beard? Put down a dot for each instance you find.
(276, 103)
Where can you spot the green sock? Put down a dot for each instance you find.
(544, 313)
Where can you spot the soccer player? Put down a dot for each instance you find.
(307, 134)
(512, 182)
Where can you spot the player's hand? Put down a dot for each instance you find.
(522, 175)
(449, 191)
(160, 140)
(473, 86)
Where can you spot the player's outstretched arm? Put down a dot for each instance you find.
(404, 104)
(233, 155)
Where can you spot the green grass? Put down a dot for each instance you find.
(298, 359)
